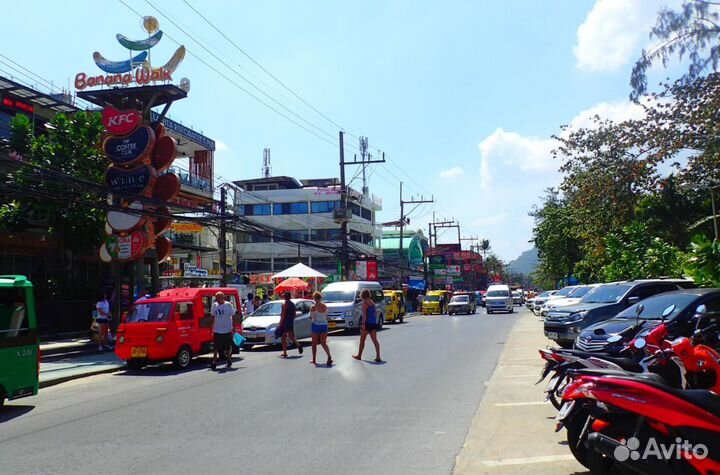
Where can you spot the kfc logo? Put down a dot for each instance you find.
(120, 122)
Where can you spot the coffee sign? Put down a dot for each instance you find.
(120, 122)
(129, 183)
(130, 149)
(125, 248)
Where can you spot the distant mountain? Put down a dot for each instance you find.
(525, 263)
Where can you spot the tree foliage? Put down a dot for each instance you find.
(691, 33)
(703, 261)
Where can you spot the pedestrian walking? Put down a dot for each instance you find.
(369, 325)
(103, 320)
(287, 325)
(249, 304)
(319, 327)
(223, 313)
(419, 302)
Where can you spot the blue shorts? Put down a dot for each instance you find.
(315, 328)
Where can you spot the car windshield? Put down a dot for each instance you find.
(336, 296)
(460, 299)
(579, 292)
(150, 312)
(431, 298)
(498, 293)
(611, 293)
(564, 292)
(653, 307)
(268, 309)
(545, 294)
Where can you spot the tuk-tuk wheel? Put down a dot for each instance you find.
(134, 365)
(183, 358)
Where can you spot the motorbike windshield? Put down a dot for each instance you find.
(606, 294)
(338, 296)
(150, 312)
(653, 307)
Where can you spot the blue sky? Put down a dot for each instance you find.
(462, 96)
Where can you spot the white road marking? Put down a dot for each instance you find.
(516, 404)
(528, 460)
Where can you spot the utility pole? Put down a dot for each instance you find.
(344, 220)
(403, 222)
(222, 238)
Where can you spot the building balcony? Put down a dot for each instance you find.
(192, 184)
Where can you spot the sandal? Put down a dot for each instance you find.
(357, 357)
(329, 362)
(378, 360)
(300, 349)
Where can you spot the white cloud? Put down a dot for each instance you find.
(453, 172)
(221, 146)
(615, 111)
(613, 32)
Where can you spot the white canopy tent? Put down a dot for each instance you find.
(299, 270)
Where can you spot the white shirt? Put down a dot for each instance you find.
(103, 308)
(249, 307)
(223, 317)
(318, 317)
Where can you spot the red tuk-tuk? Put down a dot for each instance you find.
(174, 326)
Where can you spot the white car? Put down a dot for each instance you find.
(573, 298)
(499, 299)
(259, 327)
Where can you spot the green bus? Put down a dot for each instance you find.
(19, 348)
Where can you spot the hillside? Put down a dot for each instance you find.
(525, 263)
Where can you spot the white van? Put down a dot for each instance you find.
(499, 299)
(344, 304)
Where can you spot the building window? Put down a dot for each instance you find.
(243, 238)
(324, 206)
(290, 208)
(325, 235)
(264, 187)
(301, 235)
(361, 237)
(366, 213)
(255, 210)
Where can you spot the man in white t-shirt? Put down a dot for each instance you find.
(223, 313)
(249, 305)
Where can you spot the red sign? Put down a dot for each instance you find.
(125, 248)
(372, 270)
(120, 122)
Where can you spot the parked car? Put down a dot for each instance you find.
(602, 303)
(259, 327)
(679, 307)
(344, 304)
(540, 300)
(499, 299)
(459, 304)
(572, 298)
(173, 326)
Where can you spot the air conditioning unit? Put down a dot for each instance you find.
(342, 215)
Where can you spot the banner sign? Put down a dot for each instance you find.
(129, 183)
(125, 248)
(120, 221)
(194, 271)
(186, 227)
(453, 270)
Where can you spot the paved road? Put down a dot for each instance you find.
(409, 415)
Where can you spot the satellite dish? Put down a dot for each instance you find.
(185, 85)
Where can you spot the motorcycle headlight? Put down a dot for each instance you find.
(576, 317)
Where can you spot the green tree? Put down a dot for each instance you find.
(691, 33)
(633, 253)
(703, 261)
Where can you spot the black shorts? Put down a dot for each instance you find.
(222, 341)
(369, 327)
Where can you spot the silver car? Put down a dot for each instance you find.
(259, 327)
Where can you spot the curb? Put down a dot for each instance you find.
(52, 382)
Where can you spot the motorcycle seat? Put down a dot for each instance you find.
(702, 398)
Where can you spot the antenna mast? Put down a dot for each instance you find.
(266, 169)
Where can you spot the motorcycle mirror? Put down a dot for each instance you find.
(614, 339)
(701, 310)
(639, 309)
(640, 343)
(666, 313)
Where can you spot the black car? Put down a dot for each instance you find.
(679, 307)
(564, 324)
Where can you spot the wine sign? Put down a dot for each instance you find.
(129, 183)
(131, 149)
(119, 122)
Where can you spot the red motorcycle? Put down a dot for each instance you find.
(639, 424)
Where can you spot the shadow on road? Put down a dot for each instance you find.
(12, 411)
(167, 369)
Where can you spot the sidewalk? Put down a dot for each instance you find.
(513, 429)
(59, 371)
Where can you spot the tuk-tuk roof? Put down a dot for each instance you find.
(14, 281)
(192, 292)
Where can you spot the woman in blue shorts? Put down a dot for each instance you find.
(318, 317)
(369, 325)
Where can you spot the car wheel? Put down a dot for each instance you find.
(247, 347)
(489, 312)
(2, 397)
(574, 429)
(134, 365)
(512, 310)
(381, 322)
(183, 358)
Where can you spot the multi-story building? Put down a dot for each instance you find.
(302, 211)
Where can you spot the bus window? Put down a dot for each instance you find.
(13, 318)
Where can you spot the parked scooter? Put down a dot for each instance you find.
(626, 417)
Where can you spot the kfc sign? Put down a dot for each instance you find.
(120, 122)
